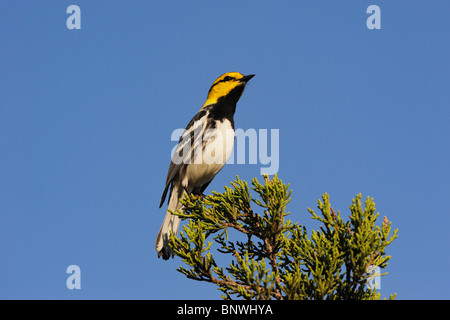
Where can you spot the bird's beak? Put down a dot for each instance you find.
(245, 79)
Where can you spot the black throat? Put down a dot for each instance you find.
(225, 107)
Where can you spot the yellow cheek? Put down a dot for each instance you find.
(219, 91)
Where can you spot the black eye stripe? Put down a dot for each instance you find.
(227, 78)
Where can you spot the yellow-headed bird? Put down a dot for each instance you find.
(202, 151)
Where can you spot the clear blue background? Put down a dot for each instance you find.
(86, 118)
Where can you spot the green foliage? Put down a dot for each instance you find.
(275, 258)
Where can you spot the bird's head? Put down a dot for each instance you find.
(228, 86)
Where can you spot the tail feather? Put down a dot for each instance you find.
(171, 223)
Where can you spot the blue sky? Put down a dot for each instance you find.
(86, 118)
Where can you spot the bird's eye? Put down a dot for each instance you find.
(227, 78)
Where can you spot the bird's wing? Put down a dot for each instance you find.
(173, 170)
(184, 150)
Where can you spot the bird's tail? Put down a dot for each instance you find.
(170, 223)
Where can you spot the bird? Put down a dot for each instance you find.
(202, 151)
